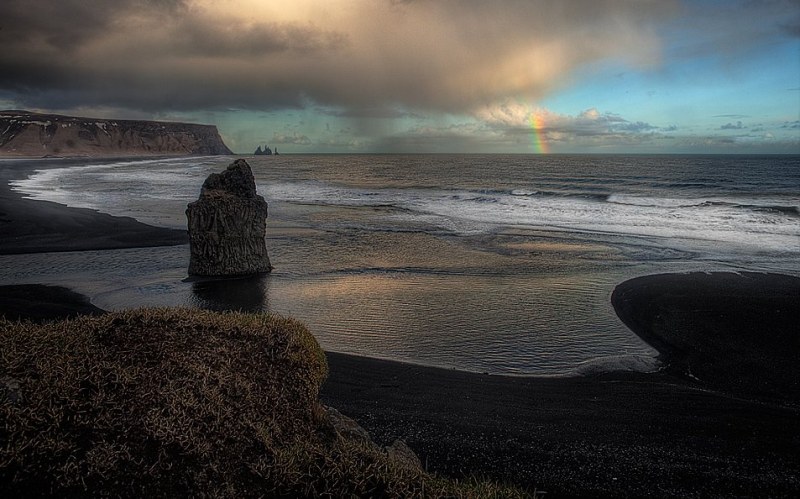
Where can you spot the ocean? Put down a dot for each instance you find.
(488, 263)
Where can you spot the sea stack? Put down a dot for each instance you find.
(227, 225)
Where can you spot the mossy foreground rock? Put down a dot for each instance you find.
(227, 225)
(174, 402)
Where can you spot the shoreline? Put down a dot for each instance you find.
(33, 226)
(615, 434)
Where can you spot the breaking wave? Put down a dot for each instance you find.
(156, 191)
(743, 223)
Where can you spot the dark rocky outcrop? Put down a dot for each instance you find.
(227, 225)
(736, 332)
(264, 152)
(23, 133)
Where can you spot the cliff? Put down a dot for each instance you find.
(24, 133)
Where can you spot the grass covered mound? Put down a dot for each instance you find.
(184, 402)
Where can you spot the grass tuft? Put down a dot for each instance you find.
(185, 402)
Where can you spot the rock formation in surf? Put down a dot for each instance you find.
(227, 225)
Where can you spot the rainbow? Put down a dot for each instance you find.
(539, 140)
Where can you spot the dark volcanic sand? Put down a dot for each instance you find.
(40, 303)
(29, 226)
(738, 332)
(614, 435)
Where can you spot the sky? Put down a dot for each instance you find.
(428, 76)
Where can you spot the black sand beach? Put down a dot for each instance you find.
(613, 435)
(30, 226)
(664, 434)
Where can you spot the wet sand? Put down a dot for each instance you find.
(665, 434)
(31, 226)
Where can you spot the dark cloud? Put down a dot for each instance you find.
(193, 37)
(146, 54)
(197, 54)
(62, 26)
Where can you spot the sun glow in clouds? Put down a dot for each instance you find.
(539, 140)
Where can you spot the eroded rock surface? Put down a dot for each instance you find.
(227, 225)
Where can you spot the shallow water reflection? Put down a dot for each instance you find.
(244, 294)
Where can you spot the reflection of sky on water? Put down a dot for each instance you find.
(460, 316)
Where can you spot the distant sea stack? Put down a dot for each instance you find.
(265, 152)
(227, 225)
(29, 134)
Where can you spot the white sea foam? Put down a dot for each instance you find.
(683, 223)
(153, 191)
(156, 191)
(616, 363)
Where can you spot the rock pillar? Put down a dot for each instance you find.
(227, 225)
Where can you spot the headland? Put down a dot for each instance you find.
(28, 134)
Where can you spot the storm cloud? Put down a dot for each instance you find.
(358, 56)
